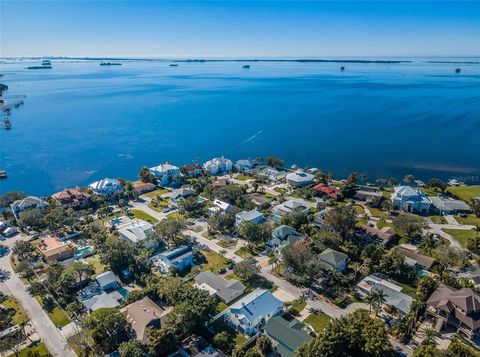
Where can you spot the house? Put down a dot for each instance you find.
(326, 190)
(27, 203)
(282, 237)
(225, 290)
(107, 281)
(472, 274)
(259, 199)
(319, 218)
(182, 192)
(412, 258)
(372, 198)
(331, 259)
(299, 178)
(177, 259)
(380, 236)
(6, 230)
(165, 173)
(71, 198)
(218, 165)
(105, 187)
(220, 207)
(247, 314)
(271, 174)
(144, 314)
(245, 165)
(410, 199)
(393, 293)
(284, 208)
(55, 249)
(143, 187)
(254, 216)
(444, 205)
(94, 298)
(220, 183)
(287, 334)
(192, 171)
(137, 230)
(457, 308)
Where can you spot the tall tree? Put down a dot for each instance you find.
(409, 224)
(274, 161)
(342, 220)
(107, 328)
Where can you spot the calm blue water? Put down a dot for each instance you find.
(82, 122)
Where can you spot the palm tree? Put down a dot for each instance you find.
(371, 298)
(273, 261)
(379, 300)
(408, 179)
(392, 182)
(430, 336)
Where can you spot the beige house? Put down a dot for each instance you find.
(55, 249)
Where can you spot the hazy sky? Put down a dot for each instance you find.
(239, 29)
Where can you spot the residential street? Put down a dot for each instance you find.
(50, 335)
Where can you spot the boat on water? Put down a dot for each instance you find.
(246, 66)
(342, 68)
(455, 182)
(46, 63)
(3, 174)
(173, 65)
(7, 124)
(458, 70)
(40, 67)
(110, 64)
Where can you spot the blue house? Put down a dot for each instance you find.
(282, 237)
(177, 259)
(252, 311)
(410, 200)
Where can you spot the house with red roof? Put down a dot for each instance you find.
(329, 191)
(71, 197)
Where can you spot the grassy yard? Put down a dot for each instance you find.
(358, 209)
(298, 305)
(461, 235)
(225, 244)
(438, 219)
(383, 223)
(318, 321)
(465, 193)
(143, 215)
(155, 193)
(57, 315)
(243, 177)
(175, 215)
(470, 219)
(219, 325)
(281, 190)
(408, 289)
(95, 262)
(222, 306)
(20, 314)
(375, 212)
(215, 261)
(36, 349)
(244, 253)
(208, 236)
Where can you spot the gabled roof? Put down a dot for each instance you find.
(106, 278)
(249, 216)
(100, 301)
(135, 230)
(226, 290)
(413, 194)
(284, 231)
(105, 184)
(164, 168)
(288, 334)
(300, 176)
(446, 298)
(258, 303)
(420, 259)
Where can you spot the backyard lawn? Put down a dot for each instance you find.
(375, 212)
(383, 223)
(57, 315)
(438, 219)
(20, 315)
(298, 305)
(36, 349)
(465, 193)
(215, 261)
(175, 215)
(95, 262)
(156, 193)
(408, 289)
(470, 219)
(244, 253)
(143, 215)
(243, 177)
(219, 325)
(461, 235)
(318, 321)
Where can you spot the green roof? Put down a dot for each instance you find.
(288, 334)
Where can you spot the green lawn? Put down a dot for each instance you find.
(280, 190)
(225, 244)
(37, 349)
(215, 261)
(470, 219)
(156, 193)
(219, 325)
(243, 177)
(438, 219)
(375, 212)
(461, 235)
(208, 236)
(95, 262)
(20, 314)
(143, 215)
(383, 223)
(222, 306)
(298, 305)
(174, 215)
(318, 321)
(465, 193)
(244, 253)
(57, 315)
(408, 289)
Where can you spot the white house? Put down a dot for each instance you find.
(299, 178)
(218, 165)
(27, 203)
(272, 175)
(138, 230)
(220, 207)
(410, 199)
(105, 187)
(6, 230)
(176, 259)
(282, 209)
(253, 310)
(165, 173)
(245, 165)
(253, 216)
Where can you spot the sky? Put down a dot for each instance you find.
(239, 29)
